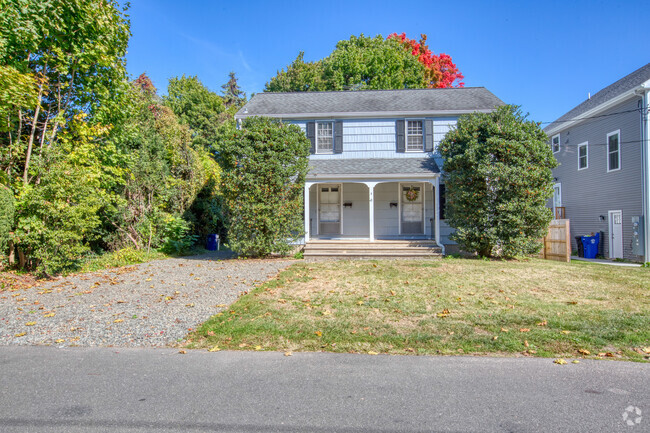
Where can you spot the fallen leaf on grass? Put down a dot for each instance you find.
(288, 353)
(318, 333)
(20, 334)
(543, 323)
(189, 305)
(60, 340)
(214, 349)
(49, 315)
(526, 343)
(373, 353)
(182, 352)
(566, 332)
(560, 361)
(646, 349)
(584, 352)
(118, 320)
(30, 323)
(495, 338)
(443, 313)
(258, 347)
(220, 305)
(524, 330)
(504, 329)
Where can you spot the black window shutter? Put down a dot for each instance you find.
(428, 135)
(443, 202)
(311, 135)
(399, 136)
(338, 136)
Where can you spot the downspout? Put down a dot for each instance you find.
(645, 155)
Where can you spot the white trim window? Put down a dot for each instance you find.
(614, 151)
(555, 143)
(414, 136)
(583, 155)
(324, 137)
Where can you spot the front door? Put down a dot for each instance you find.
(615, 234)
(329, 211)
(412, 208)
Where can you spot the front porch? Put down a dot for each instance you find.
(361, 212)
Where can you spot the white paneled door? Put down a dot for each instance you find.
(615, 234)
(412, 204)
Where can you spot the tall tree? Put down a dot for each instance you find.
(264, 168)
(370, 63)
(232, 94)
(498, 179)
(73, 51)
(197, 107)
(440, 71)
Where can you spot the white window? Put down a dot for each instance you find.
(555, 143)
(614, 150)
(324, 137)
(583, 161)
(414, 138)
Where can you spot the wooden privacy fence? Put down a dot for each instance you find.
(557, 243)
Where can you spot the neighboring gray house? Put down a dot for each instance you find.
(374, 169)
(603, 180)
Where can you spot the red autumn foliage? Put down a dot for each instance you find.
(440, 70)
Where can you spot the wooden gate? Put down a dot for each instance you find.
(557, 243)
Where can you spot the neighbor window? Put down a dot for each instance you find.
(613, 151)
(582, 156)
(555, 143)
(414, 139)
(324, 137)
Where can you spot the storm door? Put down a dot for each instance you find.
(329, 210)
(412, 212)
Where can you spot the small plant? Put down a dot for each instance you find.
(177, 236)
(299, 255)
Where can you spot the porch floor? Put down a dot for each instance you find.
(363, 248)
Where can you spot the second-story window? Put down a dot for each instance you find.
(613, 151)
(555, 143)
(582, 156)
(324, 137)
(414, 139)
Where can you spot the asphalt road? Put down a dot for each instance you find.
(45, 389)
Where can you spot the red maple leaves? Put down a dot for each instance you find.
(441, 72)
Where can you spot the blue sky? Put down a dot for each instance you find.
(544, 56)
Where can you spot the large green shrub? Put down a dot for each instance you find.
(6, 216)
(264, 168)
(497, 173)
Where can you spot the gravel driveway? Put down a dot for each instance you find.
(151, 304)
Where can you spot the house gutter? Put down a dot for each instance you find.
(364, 114)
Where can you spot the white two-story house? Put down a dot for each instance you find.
(374, 168)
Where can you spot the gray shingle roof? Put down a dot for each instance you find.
(623, 85)
(305, 104)
(372, 166)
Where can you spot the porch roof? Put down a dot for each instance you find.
(372, 167)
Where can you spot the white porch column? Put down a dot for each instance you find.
(436, 185)
(307, 225)
(371, 210)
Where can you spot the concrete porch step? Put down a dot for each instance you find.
(365, 248)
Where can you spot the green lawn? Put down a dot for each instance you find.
(446, 306)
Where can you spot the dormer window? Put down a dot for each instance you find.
(414, 136)
(324, 137)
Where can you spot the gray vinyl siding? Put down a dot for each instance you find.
(589, 193)
(376, 138)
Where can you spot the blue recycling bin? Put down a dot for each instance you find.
(213, 242)
(590, 245)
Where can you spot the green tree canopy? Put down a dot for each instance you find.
(497, 173)
(358, 63)
(197, 107)
(264, 168)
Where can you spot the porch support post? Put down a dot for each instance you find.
(371, 210)
(437, 213)
(307, 225)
